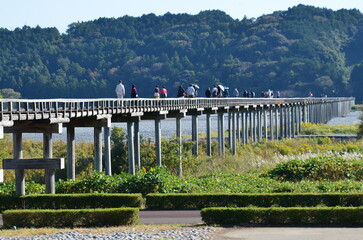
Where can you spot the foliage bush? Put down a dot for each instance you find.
(357, 107)
(154, 180)
(30, 188)
(158, 180)
(360, 128)
(317, 169)
(202, 200)
(71, 217)
(69, 201)
(324, 129)
(336, 216)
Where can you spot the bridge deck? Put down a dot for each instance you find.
(51, 109)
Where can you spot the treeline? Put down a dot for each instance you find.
(296, 51)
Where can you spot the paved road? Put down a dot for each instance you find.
(250, 233)
(293, 233)
(170, 217)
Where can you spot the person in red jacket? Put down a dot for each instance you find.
(163, 92)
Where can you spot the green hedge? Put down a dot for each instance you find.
(71, 217)
(342, 216)
(70, 201)
(10, 202)
(199, 201)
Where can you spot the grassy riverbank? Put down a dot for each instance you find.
(324, 129)
(247, 171)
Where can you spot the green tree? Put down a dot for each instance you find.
(119, 162)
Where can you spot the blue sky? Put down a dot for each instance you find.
(60, 13)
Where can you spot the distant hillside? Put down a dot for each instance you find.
(295, 51)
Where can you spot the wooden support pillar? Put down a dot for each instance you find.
(97, 149)
(209, 139)
(259, 124)
(130, 147)
(19, 173)
(137, 143)
(244, 126)
(282, 118)
(286, 118)
(158, 142)
(179, 137)
(251, 123)
(254, 125)
(271, 123)
(265, 124)
(107, 140)
(230, 129)
(276, 113)
(49, 173)
(1, 132)
(233, 145)
(221, 133)
(195, 134)
(238, 126)
(71, 153)
(299, 118)
(293, 120)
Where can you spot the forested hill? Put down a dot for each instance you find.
(295, 51)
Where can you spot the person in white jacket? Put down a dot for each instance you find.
(120, 90)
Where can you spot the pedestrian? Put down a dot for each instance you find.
(120, 90)
(195, 91)
(219, 93)
(215, 91)
(310, 94)
(163, 92)
(245, 93)
(235, 93)
(156, 92)
(190, 91)
(134, 91)
(208, 93)
(226, 92)
(278, 94)
(252, 94)
(181, 92)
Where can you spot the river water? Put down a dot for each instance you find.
(147, 129)
(168, 127)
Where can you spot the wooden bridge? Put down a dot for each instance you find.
(249, 119)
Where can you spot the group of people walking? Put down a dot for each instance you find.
(160, 93)
(120, 91)
(219, 91)
(192, 91)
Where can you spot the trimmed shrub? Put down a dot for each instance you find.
(74, 201)
(70, 201)
(71, 217)
(342, 216)
(10, 202)
(199, 201)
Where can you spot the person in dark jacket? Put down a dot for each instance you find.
(208, 93)
(134, 92)
(181, 92)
